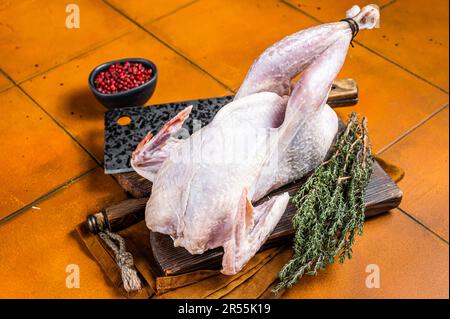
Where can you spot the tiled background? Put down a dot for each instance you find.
(51, 128)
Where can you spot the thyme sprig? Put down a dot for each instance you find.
(330, 206)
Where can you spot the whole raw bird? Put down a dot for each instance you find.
(274, 132)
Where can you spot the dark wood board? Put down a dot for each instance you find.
(382, 194)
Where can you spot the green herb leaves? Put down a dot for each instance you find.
(330, 206)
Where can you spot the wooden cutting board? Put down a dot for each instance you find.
(382, 195)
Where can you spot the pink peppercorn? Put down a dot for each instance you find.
(121, 78)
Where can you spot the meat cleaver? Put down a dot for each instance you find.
(126, 127)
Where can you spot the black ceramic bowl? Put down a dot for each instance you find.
(134, 97)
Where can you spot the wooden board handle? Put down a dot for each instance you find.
(118, 216)
(344, 92)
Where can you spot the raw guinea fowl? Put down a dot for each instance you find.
(204, 186)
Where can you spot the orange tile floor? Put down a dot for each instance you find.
(51, 128)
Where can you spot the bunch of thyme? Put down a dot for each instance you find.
(330, 206)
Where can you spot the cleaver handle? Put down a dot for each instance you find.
(118, 216)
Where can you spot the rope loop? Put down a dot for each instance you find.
(124, 260)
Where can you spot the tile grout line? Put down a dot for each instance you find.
(7, 88)
(409, 131)
(170, 47)
(404, 135)
(402, 67)
(423, 225)
(100, 45)
(371, 50)
(45, 196)
(400, 138)
(171, 12)
(290, 5)
(53, 119)
(10, 84)
(99, 163)
(79, 55)
(6, 75)
(84, 53)
(388, 4)
(93, 48)
(70, 59)
(71, 181)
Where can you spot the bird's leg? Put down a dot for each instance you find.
(274, 69)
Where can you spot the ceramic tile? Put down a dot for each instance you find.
(38, 245)
(4, 83)
(224, 37)
(37, 154)
(423, 154)
(73, 105)
(415, 35)
(393, 104)
(34, 36)
(330, 11)
(144, 11)
(411, 263)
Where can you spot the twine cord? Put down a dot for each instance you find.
(124, 260)
(353, 26)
